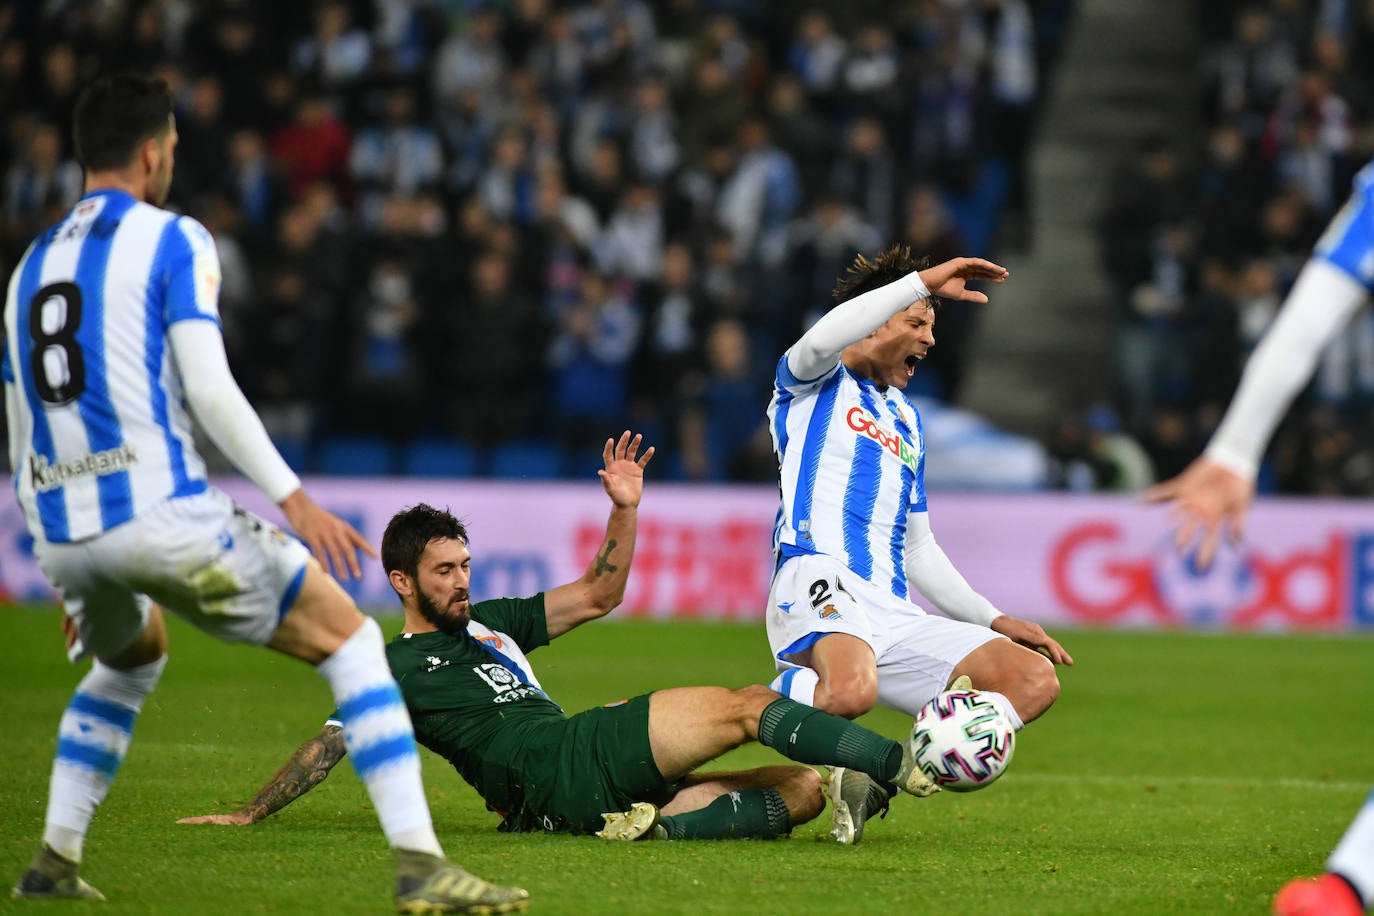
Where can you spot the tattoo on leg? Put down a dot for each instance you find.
(603, 559)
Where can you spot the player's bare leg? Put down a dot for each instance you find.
(1026, 678)
(848, 673)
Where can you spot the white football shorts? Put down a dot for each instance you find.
(916, 652)
(215, 565)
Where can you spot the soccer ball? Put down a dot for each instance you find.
(962, 740)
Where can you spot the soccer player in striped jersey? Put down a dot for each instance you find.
(111, 334)
(853, 534)
(1214, 492)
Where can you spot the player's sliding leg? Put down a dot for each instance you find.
(762, 803)
(326, 629)
(689, 726)
(93, 737)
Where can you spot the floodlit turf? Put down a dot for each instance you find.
(1178, 773)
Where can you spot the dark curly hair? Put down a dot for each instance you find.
(867, 274)
(409, 533)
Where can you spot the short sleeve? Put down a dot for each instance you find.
(192, 272)
(522, 619)
(786, 381)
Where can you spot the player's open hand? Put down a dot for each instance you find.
(334, 541)
(947, 280)
(623, 476)
(237, 819)
(1208, 499)
(1032, 636)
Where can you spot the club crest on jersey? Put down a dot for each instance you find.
(864, 423)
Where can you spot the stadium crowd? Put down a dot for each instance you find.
(1202, 240)
(566, 217)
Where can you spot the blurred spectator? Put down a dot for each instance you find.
(866, 174)
(40, 185)
(402, 155)
(203, 139)
(336, 55)
(816, 54)
(716, 438)
(590, 355)
(762, 194)
(495, 336)
(632, 243)
(806, 137)
(313, 147)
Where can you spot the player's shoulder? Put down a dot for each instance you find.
(196, 235)
(401, 651)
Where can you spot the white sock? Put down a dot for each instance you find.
(92, 739)
(1005, 705)
(379, 738)
(797, 684)
(1353, 858)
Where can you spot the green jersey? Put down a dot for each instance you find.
(473, 698)
(475, 701)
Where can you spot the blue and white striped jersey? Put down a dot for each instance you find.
(102, 431)
(1348, 241)
(852, 461)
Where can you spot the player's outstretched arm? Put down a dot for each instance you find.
(306, 769)
(854, 319)
(1214, 492)
(602, 587)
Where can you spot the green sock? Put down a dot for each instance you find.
(753, 813)
(808, 735)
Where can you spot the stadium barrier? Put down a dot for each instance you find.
(704, 552)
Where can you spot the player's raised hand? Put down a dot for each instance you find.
(334, 541)
(237, 819)
(1208, 499)
(947, 280)
(1032, 636)
(623, 476)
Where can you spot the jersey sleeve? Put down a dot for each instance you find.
(193, 273)
(785, 380)
(522, 619)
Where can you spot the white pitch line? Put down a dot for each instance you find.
(1305, 784)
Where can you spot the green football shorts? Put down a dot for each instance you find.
(594, 762)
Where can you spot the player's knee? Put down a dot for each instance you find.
(1040, 688)
(850, 696)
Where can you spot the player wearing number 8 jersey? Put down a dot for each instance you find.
(111, 333)
(853, 535)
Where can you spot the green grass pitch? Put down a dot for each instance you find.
(1180, 773)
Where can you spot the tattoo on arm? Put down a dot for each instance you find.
(603, 559)
(307, 768)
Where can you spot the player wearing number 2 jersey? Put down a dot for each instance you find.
(853, 534)
(111, 333)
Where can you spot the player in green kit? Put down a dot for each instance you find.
(475, 700)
